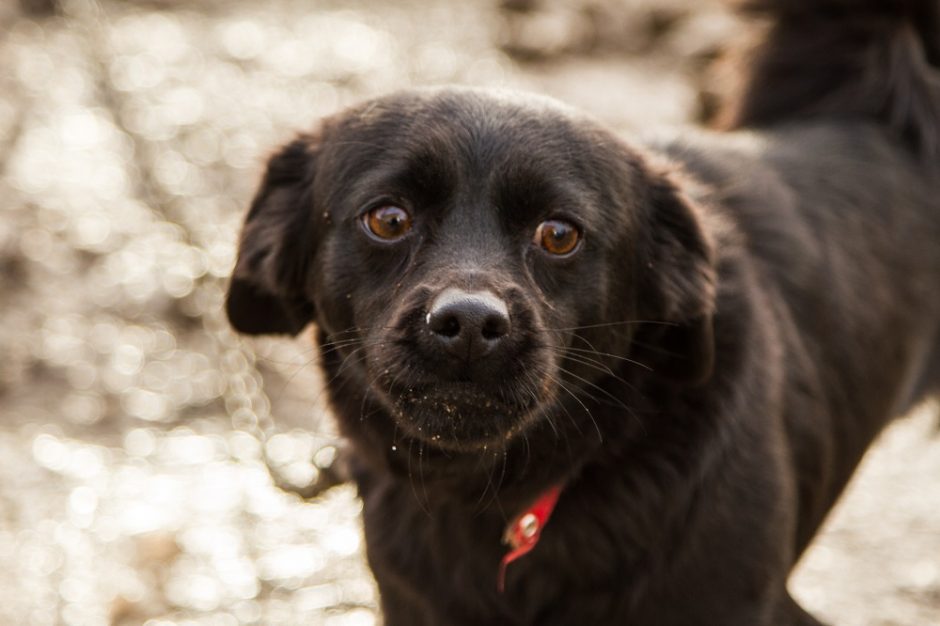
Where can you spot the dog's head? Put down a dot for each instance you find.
(475, 258)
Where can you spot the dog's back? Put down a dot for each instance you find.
(846, 63)
(837, 195)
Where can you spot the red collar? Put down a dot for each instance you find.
(524, 531)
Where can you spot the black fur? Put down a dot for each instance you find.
(745, 312)
(846, 58)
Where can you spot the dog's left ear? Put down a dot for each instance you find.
(677, 277)
(267, 292)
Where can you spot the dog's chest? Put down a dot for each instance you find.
(448, 557)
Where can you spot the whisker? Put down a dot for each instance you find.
(532, 389)
(326, 386)
(617, 400)
(424, 487)
(411, 481)
(594, 364)
(597, 365)
(612, 356)
(365, 394)
(479, 507)
(558, 382)
(622, 323)
(502, 474)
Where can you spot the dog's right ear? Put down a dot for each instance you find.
(268, 289)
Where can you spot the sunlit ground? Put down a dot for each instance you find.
(132, 482)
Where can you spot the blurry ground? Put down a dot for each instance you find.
(132, 488)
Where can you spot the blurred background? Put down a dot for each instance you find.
(135, 428)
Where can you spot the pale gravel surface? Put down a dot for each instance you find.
(132, 488)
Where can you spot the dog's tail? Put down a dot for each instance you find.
(878, 59)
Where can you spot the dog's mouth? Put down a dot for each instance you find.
(462, 416)
(462, 370)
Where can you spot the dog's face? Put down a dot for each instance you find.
(461, 251)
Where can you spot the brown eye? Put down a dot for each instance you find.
(557, 236)
(387, 222)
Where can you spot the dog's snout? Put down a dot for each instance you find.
(468, 324)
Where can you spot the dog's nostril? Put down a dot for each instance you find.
(495, 326)
(444, 325)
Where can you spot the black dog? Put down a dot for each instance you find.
(648, 369)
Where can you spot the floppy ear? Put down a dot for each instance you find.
(267, 292)
(677, 278)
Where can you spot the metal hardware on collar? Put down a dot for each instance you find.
(529, 525)
(525, 530)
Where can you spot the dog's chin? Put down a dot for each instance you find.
(463, 417)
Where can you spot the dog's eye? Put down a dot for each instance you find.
(387, 222)
(557, 236)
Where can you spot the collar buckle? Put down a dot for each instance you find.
(524, 531)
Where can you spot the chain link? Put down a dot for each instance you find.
(246, 403)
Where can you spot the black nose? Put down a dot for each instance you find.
(468, 325)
